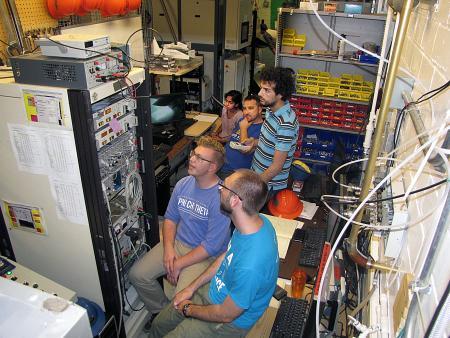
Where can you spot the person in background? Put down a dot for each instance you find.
(267, 37)
(248, 127)
(231, 114)
(232, 294)
(277, 141)
(195, 231)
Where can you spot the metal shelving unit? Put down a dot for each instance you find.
(328, 59)
(359, 28)
(331, 99)
(318, 55)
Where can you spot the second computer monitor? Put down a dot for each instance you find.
(168, 108)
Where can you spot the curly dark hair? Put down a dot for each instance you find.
(283, 80)
(236, 96)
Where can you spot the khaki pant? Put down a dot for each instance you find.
(145, 272)
(170, 323)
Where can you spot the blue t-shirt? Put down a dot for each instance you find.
(198, 215)
(248, 273)
(234, 159)
(279, 132)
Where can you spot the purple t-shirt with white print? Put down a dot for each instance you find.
(198, 215)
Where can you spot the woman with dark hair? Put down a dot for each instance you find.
(231, 114)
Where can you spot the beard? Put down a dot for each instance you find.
(225, 207)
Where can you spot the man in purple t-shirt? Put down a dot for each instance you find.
(194, 232)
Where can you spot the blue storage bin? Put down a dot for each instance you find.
(319, 139)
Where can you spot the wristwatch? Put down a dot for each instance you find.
(185, 309)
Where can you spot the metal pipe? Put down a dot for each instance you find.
(169, 22)
(352, 242)
(436, 246)
(12, 25)
(414, 113)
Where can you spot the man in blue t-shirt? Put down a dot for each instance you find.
(248, 127)
(195, 231)
(276, 145)
(233, 293)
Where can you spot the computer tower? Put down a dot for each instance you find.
(237, 73)
(238, 24)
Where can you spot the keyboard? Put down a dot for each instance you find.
(291, 318)
(185, 123)
(312, 240)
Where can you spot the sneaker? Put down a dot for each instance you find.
(148, 325)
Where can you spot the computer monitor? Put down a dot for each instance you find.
(168, 108)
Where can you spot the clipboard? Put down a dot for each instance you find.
(204, 122)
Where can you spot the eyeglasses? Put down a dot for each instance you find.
(198, 157)
(221, 186)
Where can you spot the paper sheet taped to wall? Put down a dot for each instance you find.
(28, 148)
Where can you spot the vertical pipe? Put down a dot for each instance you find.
(252, 50)
(378, 136)
(12, 25)
(369, 128)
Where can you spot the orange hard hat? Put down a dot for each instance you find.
(285, 204)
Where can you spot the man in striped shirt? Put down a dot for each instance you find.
(277, 141)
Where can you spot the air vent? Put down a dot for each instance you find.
(58, 72)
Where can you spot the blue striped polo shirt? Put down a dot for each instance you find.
(278, 132)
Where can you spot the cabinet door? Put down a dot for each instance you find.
(197, 22)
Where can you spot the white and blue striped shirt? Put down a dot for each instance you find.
(279, 132)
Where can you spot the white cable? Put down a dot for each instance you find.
(360, 206)
(372, 116)
(133, 191)
(220, 103)
(340, 215)
(116, 266)
(134, 249)
(401, 226)
(145, 244)
(344, 197)
(116, 262)
(407, 143)
(382, 59)
(419, 171)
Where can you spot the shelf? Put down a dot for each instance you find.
(192, 101)
(380, 17)
(196, 63)
(188, 80)
(338, 130)
(328, 59)
(332, 99)
(311, 160)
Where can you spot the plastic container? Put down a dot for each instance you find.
(341, 48)
(298, 280)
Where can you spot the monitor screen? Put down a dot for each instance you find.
(167, 108)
